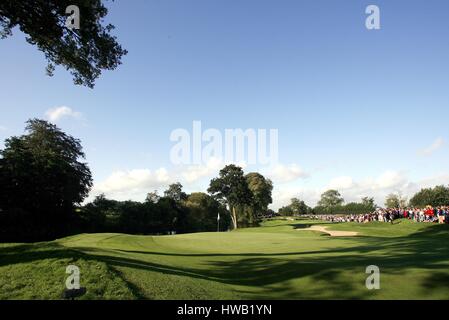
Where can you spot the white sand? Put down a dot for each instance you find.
(331, 233)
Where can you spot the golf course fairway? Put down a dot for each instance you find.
(274, 261)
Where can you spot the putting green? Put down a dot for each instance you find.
(274, 261)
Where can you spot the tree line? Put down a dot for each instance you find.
(44, 181)
(332, 202)
(156, 215)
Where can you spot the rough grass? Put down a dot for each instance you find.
(274, 261)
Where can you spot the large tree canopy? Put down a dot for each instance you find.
(330, 198)
(85, 52)
(261, 189)
(232, 187)
(42, 179)
(299, 206)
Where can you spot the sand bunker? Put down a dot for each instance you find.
(331, 233)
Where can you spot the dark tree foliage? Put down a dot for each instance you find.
(365, 206)
(437, 196)
(261, 189)
(152, 197)
(295, 208)
(285, 211)
(175, 192)
(42, 180)
(84, 52)
(198, 213)
(203, 212)
(98, 216)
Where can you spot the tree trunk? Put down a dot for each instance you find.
(234, 218)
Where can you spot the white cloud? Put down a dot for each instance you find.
(378, 187)
(390, 179)
(286, 173)
(58, 113)
(437, 144)
(441, 179)
(427, 182)
(340, 183)
(3, 128)
(351, 189)
(134, 184)
(124, 185)
(282, 194)
(197, 172)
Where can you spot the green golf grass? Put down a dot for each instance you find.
(273, 261)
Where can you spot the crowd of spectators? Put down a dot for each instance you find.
(427, 214)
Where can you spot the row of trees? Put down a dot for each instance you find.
(173, 212)
(364, 206)
(332, 202)
(44, 180)
(295, 208)
(435, 197)
(235, 198)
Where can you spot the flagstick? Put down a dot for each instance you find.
(218, 222)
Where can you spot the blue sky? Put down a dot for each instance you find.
(364, 111)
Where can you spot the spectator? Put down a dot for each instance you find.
(428, 214)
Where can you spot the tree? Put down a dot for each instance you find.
(171, 215)
(261, 189)
(100, 215)
(330, 199)
(152, 197)
(232, 187)
(296, 207)
(175, 192)
(84, 52)
(394, 200)
(435, 197)
(285, 211)
(42, 178)
(203, 213)
(299, 207)
(369, 203)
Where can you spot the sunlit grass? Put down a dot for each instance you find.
(274, 261)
